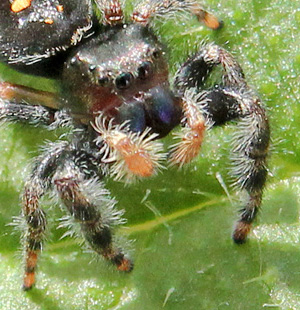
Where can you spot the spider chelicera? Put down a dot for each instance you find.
(116, 97)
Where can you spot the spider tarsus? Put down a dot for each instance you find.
(30, 267)
(123, 264)
(29, 282)
(211, 21)
(232, 100)
(27, 287)
(146, 11)
(241, 232)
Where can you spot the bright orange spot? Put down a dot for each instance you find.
(126, 265)
(140, 164)
(60, 8)
(137, 160)
(6, 91)
(29, 280)
(211, 21)
(49, 21)
(30, 265)
(20, 5)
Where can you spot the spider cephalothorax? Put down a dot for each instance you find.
(117, 99)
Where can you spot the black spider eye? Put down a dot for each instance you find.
(103, 80)
(156, 54)
(124, 80)
(144, 70)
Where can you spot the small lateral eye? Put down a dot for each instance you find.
(124, 80)
(144, 70)
(74, 60)
(156, 54)
(92, 68)
(103, 80)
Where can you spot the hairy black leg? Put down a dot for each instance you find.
(250, 147)
(36, 225)
(250, 152)
(147, 10)
(232, 100)
(77, 183)
(15, 108)
(73, 169)
(195, 71)
(94, 228)
(36, 185)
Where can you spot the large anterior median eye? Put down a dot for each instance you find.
(124, 80)
(144, 70)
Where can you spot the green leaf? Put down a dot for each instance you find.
(181, 221)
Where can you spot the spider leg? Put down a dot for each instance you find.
(78, 186)
(73, 170)
(149, 9)
(232, 100)
(35, 217)
(195, 71)
(203, 109)
(20, 103)
(111, 10)
(249, 155)
(95, 229)
(19, 93)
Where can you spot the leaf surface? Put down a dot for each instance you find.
(181, 221)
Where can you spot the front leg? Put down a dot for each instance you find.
(232, 100)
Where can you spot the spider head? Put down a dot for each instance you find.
(119, 67)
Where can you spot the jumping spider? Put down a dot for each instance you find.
(116, 97)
